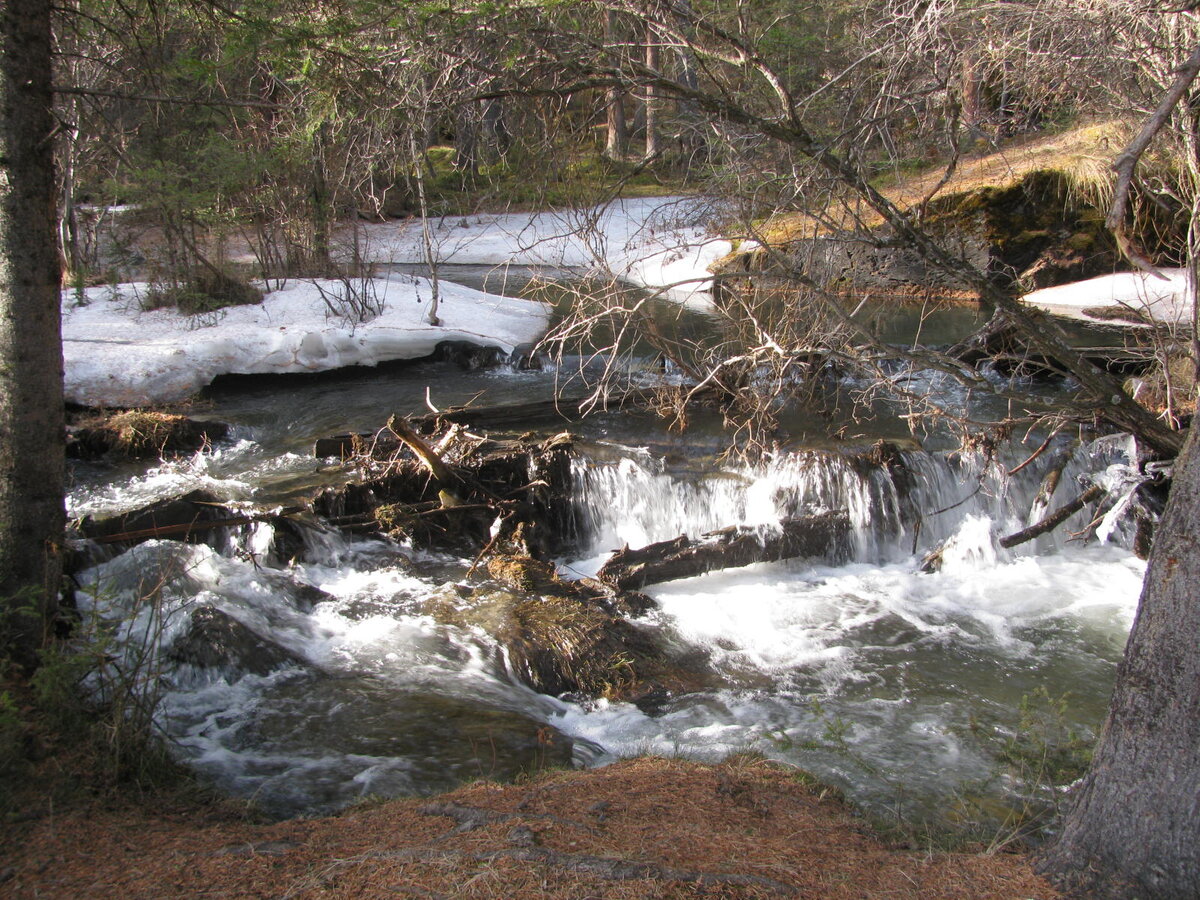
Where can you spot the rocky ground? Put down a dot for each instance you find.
(643, 828)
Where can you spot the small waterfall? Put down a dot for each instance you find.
(899, 503)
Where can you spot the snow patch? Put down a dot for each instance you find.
(658, 243)
(1164, 299)
(117, 354)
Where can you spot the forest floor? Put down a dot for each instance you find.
(641, 828)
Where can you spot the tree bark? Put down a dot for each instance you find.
(32, 430)
(1134, 826)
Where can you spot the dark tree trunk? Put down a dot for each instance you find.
(32, 431)
(1134, 826)
(321, 212)
(616, 143)
(653, 59)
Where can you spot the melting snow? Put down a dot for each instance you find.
(1163, 299)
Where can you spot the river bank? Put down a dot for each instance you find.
(640, 828)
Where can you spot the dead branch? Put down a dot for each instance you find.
(441, 472)
(1056, 518)
(1126, 163)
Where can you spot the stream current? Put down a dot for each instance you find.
(906, 689)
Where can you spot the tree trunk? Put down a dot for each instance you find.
(653, 54)
(32, 431)
(972, 96)
(321, 213)
(1134, 826)
(617, 141)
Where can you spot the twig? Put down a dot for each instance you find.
(1036, 453)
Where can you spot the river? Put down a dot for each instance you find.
(912, 692)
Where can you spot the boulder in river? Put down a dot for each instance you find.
(216, 640)
(560, 637)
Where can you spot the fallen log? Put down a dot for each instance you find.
(821, 535)
(1056, 518)
(181, 529)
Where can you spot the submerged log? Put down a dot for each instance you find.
(821, 535)
(509, 417)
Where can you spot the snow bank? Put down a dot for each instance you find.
(651, 242)
(118, 355)
(1166, 299)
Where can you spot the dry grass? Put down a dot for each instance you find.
(1084, 155)
(643, 828)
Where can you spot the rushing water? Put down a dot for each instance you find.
(900, 686)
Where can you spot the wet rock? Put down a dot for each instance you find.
(468, 356)
(363, 736)
(560, 638)
(136, 434)
(216, 640)
(188, 518)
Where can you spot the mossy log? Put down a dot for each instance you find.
(823, 535)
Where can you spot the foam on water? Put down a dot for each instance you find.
(238, 472)
(902, 666)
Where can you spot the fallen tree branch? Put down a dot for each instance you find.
(441, 472)
(1056, 518)
(1127, 162)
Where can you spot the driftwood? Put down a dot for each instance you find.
(820, 535)
(1056, 518)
